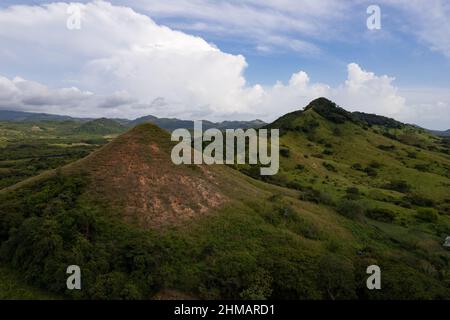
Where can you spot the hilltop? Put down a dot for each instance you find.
(102, 126)
(326, 147)
(330, 111)
(162, 192)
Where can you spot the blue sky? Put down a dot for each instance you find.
(390, 50)
(401, 70)
(385, 51)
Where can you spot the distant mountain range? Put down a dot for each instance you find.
(171, 124)
(118, 125)
(441, 133)
(19, 116)
(115, 125)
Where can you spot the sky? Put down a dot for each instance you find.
(226, 59)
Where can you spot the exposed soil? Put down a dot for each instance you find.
(136, 176)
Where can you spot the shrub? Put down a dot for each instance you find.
(386, 148)
(326, 198)
(352, 190)
(412, 155)
(357, 166)
(350, 208)
(329, 167)
(422, 167)
(115, 286)
(300, 167)
(427, 215)
(295, 185)
(418, 200)
(444, 209)
(328, 152)
(333, 246)
(389, 135)
(337, 132)
(310, 126)
(371, 172)
(310, 195)
(336, 278)
(375, 164)
(398, 185)
(352, 193)
(306, 229)
(381, 214)
(260, 287)
(316, 196)
(285, 152)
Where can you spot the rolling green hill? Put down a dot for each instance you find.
(106, 126)
(351, 193)
(102, 126)
(171, 124)
(325, 146)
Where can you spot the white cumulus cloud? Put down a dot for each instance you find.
(117, 49)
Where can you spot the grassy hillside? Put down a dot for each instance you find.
(101, 126)
(349, 194)
(391, 165)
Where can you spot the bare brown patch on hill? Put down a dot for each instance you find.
(135, 176)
